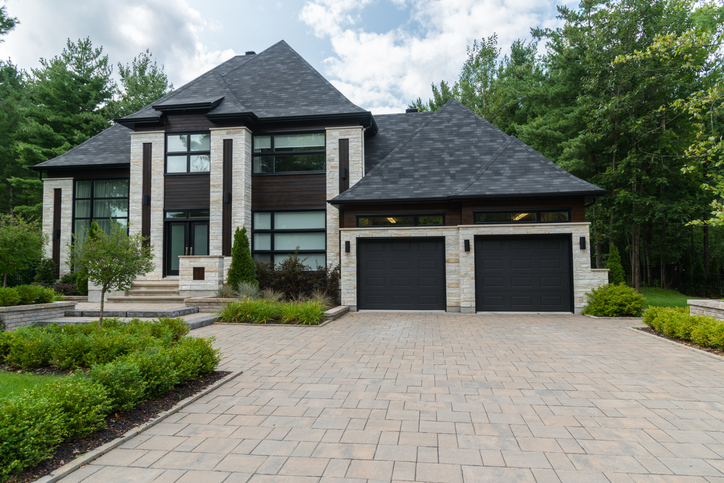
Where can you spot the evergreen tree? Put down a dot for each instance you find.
(143, 81)
(243, 268)
(615, 269)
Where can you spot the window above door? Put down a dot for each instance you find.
(188, 153)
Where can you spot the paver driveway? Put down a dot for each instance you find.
(441, 397)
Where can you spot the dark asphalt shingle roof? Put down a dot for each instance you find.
(394, 129)
(112, 146)
(455, 153)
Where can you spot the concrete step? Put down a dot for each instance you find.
(163, 299)
(135, 313)
(155, 283)
(151, 293)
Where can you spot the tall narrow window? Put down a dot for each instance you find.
(188, 153)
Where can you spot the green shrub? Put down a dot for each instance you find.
(9, 296)
(291, 312)
(157, 370)
(676, 322)
(81, 284)
(178, 326)
(45, 271)
(30, 348)
(242, 267)
(312, 312)
(32, 294)
(248, 290)
(194, 356)
(84, 404)
(70, 277)
(69, 350)
(265, 310)
(123, 380)
(614, 301)
(226, 292)
(616, 274)
(29, 432)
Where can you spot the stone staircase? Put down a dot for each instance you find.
(152, 292)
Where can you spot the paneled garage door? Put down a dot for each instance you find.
(526, 273)
(401, 274)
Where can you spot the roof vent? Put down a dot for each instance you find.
(249, 52)
(411, 109)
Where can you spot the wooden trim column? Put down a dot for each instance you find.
(146, 174)
(226, 190)
(343, 165)
(57, 200)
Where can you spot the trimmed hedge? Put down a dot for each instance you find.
(614, 301)
(25, 295)
(127, 362)
(264, 310)
(676, 322)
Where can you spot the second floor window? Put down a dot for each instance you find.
(188, 153)
(289, 153)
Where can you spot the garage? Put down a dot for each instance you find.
(524, 273)
(401, 274)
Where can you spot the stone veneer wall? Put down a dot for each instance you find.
(66, 218)
(156, 138)
(356, 172)
(460, 265)
(241, 183)
(712, 308)
(12, 318)
(213, 275)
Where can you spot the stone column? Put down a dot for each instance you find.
(66, 218)
(135, 200)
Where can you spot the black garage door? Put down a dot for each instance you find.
(524, 273)
(401, 274)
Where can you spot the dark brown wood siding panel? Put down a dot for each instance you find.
(146, 193)
(84, 173)
(288, 191)
(57, 199)
(343, 165)
(577, 205)
(182, 122)
(226, 193)
(187, 192)
(450, 210)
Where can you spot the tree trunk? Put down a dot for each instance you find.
(662, 244)
(103, 301)
(5, 279)
(706, 250)
(599, 255)
(635, 257)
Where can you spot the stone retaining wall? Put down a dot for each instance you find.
(712, 308)
(17, 316)
(207, 304)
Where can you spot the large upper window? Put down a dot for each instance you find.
(400, 220)
(101, 200)
(522, 216)
(188, 153)
(288, 153)
(277, 235)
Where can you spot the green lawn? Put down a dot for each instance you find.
(11, 382)
(659, 297)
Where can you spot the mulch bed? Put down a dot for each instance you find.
(116, 425)
(710, 350)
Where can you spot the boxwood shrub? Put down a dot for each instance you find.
(613, 300)
(676, 322)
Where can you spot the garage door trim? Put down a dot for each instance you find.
(569, 254)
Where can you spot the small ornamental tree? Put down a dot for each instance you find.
(615, 269)
(113, 261)
(21, 244)
(81, 281)
(243, 268)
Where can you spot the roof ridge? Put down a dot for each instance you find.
(255, 56)
(394, 151)
(484, 167)
(227, 88)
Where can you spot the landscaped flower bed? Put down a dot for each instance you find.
(264, 311)
(677, 323)
(117, 366)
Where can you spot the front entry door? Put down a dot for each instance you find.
(185, 238)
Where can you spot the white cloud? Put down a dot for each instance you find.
(385, 71)
(171, 29)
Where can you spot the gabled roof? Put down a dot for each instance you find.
(110, 147)
(456, 154)
(274, 84)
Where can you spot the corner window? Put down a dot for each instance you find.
(104, 201)
(400, 220)
(188, 153)
(276, 235)
(510, 217)
(289, 153)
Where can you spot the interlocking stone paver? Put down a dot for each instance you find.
(441, 397)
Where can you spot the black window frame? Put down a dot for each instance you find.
(272, 252)
(416, 217)
(188, 153)
(274, 154)
(91, 218)
(537, 213)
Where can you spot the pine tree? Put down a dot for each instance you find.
(243, 268)
(615, 269)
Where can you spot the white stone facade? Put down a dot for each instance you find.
(135, 201)
(460, 265)
(356, 172)
(213, 275)
(66, 218)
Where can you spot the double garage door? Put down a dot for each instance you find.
(523, 273)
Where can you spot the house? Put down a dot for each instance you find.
(422, 211)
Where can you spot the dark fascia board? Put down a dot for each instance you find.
(366, 118)
(243, 117)
(141, 121)
(188, 106)
(81, 166)
(593, 194)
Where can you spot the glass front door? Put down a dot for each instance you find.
(185, 238)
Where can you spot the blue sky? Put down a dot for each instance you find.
(381, 54)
